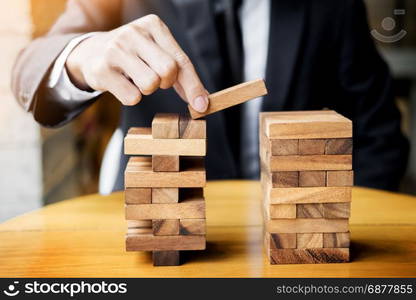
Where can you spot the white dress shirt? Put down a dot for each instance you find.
(254, 21)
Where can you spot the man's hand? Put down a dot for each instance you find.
(134, 60)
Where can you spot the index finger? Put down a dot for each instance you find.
(188, 79)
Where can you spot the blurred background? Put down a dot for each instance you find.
(39, 166)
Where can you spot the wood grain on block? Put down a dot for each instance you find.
(307, 225)
(310, 211)
(139, 230)
(165, 163)
(165, 195)
(192, 129)
(337, 210)
(312, 146)
(166, 258)
(165, 227)
(149, 242)
(309, 162)
(139, 141)
(340, 178)
(337, 240)
(339, 146)
(309, 256)
(284, 147)
(165, 126)
(232, 96)
(139, 223)
(138, 195)
(281, 240)
(192, 226)
(305, 125)
(282, 211)
(309, 240)
(139, 173)
(312, 178)
(309, 195)
(188, 209)
(285, 179)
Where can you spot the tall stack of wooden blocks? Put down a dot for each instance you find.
(165, 205)
(307, 178)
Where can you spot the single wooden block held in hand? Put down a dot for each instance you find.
(165, 126)
(312, 147)
(309, 211)
(282, 211)
(339, 146)
(165, 163)
(312, 178)
(192, 226)
(232, 96)
(337, 210)
(138, 195)
(166, 258)
(192, 129)
(285, 179)
(165, 227)
(340, 178)
(309, 240)
(281, 240)
(285, 147)
(337, 240)
(165, 195)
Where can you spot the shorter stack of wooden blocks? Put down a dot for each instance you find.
(165, 205)
(307, 178)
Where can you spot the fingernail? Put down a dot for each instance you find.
(201, 103)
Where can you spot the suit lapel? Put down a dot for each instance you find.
(286, 29)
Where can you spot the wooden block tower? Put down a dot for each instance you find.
(165, 206)
(307, 177)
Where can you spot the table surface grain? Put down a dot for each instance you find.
(84, 237)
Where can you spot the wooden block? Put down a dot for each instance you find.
(165, 163)
(340, 178)
(139, 141)
(232, 96)
(139, 223)
(312, 147)
(139, 173)
(337, 240)
(309, 195)
(336, 210)
(284, 147)
(338, 146)
(192, 129)
(309, 162)
(281, 240)
(166, 258)
(149, 242)
(192, 226)
(312, 178)
(188, 209)
(165, 227)
(282, 211)
(307, 225)
(309, 256)
(285, 179)
(309, 240)
(165, 126)
(138, 195)
(165, 195)
(310, 211)
(305, 125)
(139, 230)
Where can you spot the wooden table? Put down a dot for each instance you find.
(84, 237)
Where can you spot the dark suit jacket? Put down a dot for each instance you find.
(320, 56)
